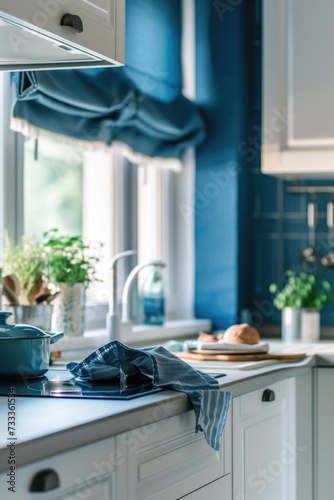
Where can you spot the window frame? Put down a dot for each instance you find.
(176, 190)
(11, 168)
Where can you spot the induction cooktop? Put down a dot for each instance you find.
(62, 384)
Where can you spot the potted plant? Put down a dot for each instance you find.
(72, 267)
(24, 282)
(300, 299)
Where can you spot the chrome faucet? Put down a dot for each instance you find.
(113, 319)
(128, 284)
(118, 327)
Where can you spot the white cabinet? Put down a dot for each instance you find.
(167, 461)
(298, 80)
(264, 443)
(81, 32)
(324, 436)
(87, 472)
(162, 460)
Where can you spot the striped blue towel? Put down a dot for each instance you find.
(115, 360)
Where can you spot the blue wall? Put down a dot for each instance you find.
(222, 200)
(248, 228)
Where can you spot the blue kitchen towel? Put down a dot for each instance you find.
(115, 360)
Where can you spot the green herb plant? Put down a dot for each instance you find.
(70, 260)
(27, 260)
(301, 290)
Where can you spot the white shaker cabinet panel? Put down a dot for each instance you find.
(264, 443)
(298, 81)
(167, 460)
(324, 435)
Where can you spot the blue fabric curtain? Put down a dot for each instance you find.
(140, 104)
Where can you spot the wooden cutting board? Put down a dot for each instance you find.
(205, 356)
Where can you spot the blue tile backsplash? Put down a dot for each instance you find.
(281, 233)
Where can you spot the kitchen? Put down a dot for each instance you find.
(247, 229)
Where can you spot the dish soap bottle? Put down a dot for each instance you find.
(153, 298)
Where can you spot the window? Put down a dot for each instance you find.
(52, 187)
(103, 197)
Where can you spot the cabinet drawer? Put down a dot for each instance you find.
(86, 472)
(255, 400)
(169, 460)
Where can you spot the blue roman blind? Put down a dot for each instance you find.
(140, 104)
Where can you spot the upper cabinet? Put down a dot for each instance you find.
(61, 33)
(298, 88)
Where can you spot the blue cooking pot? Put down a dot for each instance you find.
(24, 349)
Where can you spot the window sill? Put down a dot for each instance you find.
(142, 335)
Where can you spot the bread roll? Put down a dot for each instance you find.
(242, 334)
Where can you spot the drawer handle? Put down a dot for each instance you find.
(72, 21)
(268, 395)
(45, 480)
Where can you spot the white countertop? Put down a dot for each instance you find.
(47, 426)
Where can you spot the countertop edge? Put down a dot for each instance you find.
(154, 408)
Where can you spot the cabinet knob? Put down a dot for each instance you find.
(268, 395)
(45, 480)
(72, 21)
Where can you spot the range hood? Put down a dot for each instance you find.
(91, 34)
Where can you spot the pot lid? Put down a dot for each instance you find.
(18, 331)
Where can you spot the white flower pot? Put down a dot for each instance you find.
(69, 309)
(310, 325)
(35, 315)
(290, 323)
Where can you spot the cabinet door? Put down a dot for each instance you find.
(298, 79)
(101, 36)
(217, 490)
(264, 445)
(324, 436)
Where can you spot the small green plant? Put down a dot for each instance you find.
(301, 290)
(70, 260)
(27, 261)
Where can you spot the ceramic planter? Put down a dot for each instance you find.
(300, 324)
(290, 324)
(35, 315)
(69, 309)
(310, 325)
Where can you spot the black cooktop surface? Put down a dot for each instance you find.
(61, 384)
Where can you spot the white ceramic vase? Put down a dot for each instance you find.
(290, 323)
(35, 315)
(69, 309)
(310, 325)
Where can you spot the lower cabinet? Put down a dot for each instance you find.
(264, 443)
(269, 428)
(166, 460)
(324, 435)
